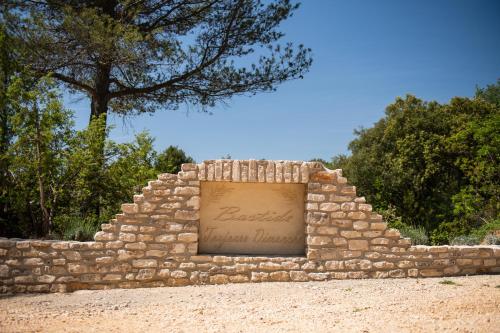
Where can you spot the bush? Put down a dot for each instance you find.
(78, 229)
(417, 235)
(491, 240)
(465, 240)
(487, 229)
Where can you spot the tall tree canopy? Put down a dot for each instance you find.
(133, 56)
(436, 165)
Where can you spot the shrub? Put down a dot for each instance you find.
(78, 229)
(465, 240)
(491, 240)
(416, 234)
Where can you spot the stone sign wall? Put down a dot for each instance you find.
(272, 220)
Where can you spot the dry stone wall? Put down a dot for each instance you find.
(154, 240)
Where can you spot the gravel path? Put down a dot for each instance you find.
(470, 304)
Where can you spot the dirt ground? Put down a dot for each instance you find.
(466, 304)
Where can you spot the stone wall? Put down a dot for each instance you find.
(154, 241)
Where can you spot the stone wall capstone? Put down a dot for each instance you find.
(154, 241)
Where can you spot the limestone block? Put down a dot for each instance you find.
(350, 234)
(145, 274)
(372, 233)
(33, 262)
(126, 237)
(311, 206)
(378, 226)
(397, 273)
(329, 207)
(130, 208)
(72, 255)
(178, 248)
(171, 205)
(219, 279)
(239, 278)
(187, 190)
(59, 262)
(315, 197)
(252, 170)
(392, 233)
(279, 276)
(279, 172)
(379, 241)
(296, 173)
(383, 265)
(187, 237)
(188, 175)
(187, 215)
(156, 253)
(340, 198)
(360, 225)
(259, 277)
(74, 268)
(261, 174)
(365, 207)
(318, 240)
(324, 230)
(136, 246)
(144, 263)
(317, 218)
(430, 272)
(270, 172)
(358, 244)
(104, 260)
(348, 206)
(328, 188)
(24, 279)
(145, 238)
(4, 271)
(222, 259)
(304, 173)
(114, 245)
(104, 236)
(287, 172)
(334, 265)
(490, 262)
(342, 223)
(194, 202)
(339, 241)
(112, 277)
(318, 276)
(270, 266)
(23, 245)
(357, 215)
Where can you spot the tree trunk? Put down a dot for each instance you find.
(46, 226)
(99, 112)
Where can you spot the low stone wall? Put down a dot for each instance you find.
(154, 241)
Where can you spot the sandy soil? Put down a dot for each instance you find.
(472, 304)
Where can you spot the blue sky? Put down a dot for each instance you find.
(366, 53)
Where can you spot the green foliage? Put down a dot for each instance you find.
(141, 56)
(76, 228)
(170, 160)
(58, 176)
(417, 235)
(465, 240)
(436, 166)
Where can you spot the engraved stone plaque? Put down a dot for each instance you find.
(252, 218)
